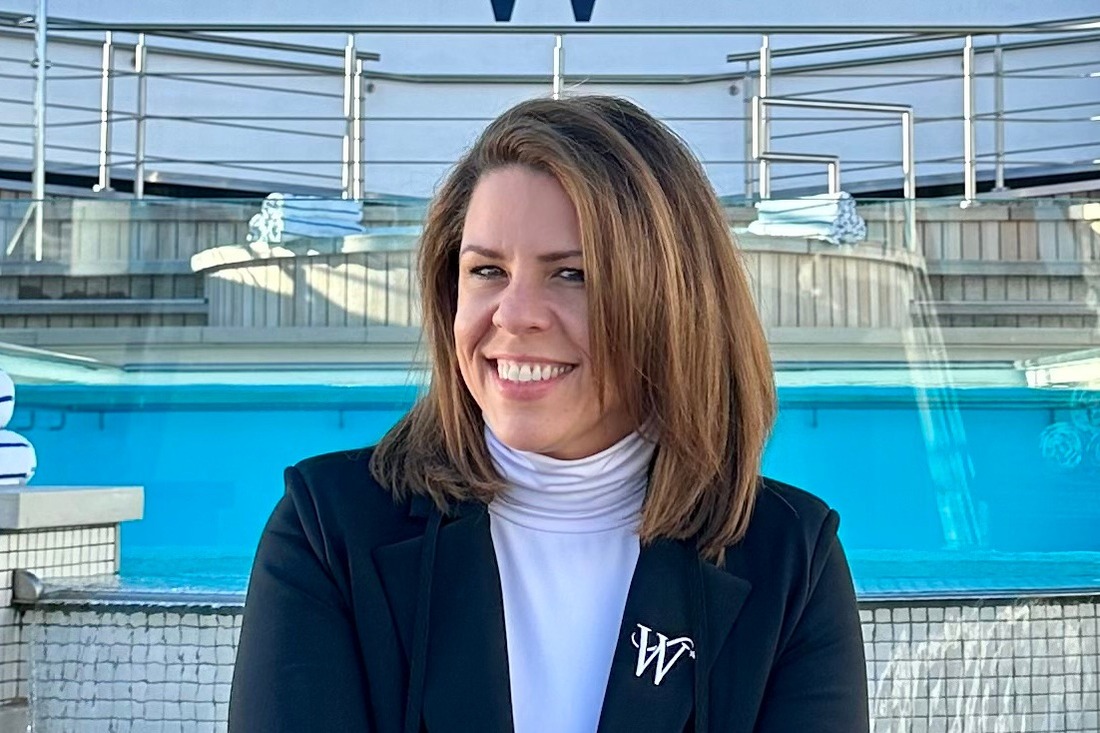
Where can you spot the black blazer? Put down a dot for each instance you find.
(362, 613)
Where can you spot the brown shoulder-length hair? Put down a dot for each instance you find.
(672, 322)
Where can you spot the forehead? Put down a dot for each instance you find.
(519, 209)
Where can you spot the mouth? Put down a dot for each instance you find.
(527, 380)
(523, 372)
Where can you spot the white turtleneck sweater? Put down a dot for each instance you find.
(566, 543)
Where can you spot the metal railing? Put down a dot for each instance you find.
(762, 152)
(831, 163)
(760, 126)
(858, 76)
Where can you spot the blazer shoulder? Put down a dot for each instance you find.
(782, 502)
(790, 518)
(340, 491)
(336, 467)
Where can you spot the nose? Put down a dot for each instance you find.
(521, 309)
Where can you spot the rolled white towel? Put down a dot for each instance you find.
(314, 208)
(831, 217)
(311, 228)
(807, 230)
(266, 227)
(819, 208)
(17, 458)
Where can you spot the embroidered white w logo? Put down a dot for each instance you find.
(659, 652)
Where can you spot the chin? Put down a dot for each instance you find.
(526, 435)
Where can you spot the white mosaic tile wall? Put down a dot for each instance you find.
(48, 553)
(1028, 667)
(1022, 667)
(131, 671)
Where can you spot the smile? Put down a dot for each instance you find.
(511, 371)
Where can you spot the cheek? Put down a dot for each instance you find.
(470, 326)
(465, 346)
(573, 315)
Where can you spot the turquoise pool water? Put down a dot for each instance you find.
(941, 490)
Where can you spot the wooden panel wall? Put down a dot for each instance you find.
(801, 290)
(102, 234)
(829, 291)
(1026, 238)
(149, 233)
(356, 289)
(56, 287)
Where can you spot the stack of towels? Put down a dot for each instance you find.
(17, 458)
(284, 217)
(830, 217)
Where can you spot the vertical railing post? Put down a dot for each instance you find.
(970, 166)
(105, 89)
(346, 173)
(748, 93)
(999, 116)
(908, 165)
(833, 170)
(763, 128)
(139, 123)
(909, 177)
(764, 181)
(357, 132)
(559, 66)
(39, 175)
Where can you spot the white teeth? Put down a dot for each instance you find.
(516, 372)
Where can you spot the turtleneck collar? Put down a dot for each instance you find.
(598, 493)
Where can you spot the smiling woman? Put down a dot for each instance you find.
(569, 532)
(521, 321)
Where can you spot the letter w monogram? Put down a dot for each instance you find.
(582, 10)
(658, 653)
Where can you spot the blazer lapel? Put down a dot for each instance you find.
(651, 685)
(466, 684)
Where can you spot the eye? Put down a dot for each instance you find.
(571, 274)
(485, 272)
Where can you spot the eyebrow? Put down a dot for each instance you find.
(496, 255)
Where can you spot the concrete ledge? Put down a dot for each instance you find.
(95, 306)
(147, 336)
(14, 717)
(108, 592)
(97, 268)
(1075, 369)
(988, 268)
(750, 243)
(380, 239)
(39, 507)
(1004, 308)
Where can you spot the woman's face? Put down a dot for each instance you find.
(521, 328)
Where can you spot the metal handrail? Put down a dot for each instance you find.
(1089, 23)
(761, 138)
(535, 78)
(832, 163)
(211, 55)
(407, 77)
(969, 75)
(899, 41)
(938, 54)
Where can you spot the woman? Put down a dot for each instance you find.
(568, 532)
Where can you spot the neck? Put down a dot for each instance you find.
(601, 492)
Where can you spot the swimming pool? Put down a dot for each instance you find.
(939, 490)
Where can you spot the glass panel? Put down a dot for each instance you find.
(939, 379)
